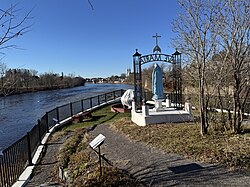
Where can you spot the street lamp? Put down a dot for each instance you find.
(177, 78)
(137, 80)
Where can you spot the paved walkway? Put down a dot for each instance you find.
(46, 172)
(151, 166)
(155, 168)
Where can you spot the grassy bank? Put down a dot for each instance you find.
(82, 166)
(185, 139)
(100, 116)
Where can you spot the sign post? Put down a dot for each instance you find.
(97, 142)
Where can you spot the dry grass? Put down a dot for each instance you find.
(71, 146)
(111, 177)
(57, 135)
(75, 156)
(185, 139)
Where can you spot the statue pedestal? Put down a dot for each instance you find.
(158, 105)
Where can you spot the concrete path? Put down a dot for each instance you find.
(155, 168)
(46, 172)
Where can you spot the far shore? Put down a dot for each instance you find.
(37, 89)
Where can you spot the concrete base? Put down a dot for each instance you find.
(167, 115)
(158, 105)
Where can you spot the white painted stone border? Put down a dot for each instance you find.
(25, 176)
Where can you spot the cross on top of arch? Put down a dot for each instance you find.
(156, 49)
(156, 38)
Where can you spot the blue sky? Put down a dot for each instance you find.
(68, 36)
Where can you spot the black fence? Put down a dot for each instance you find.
(18, 156)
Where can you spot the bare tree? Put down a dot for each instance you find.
(147, 77)
(92, 7)
(8, 82)
(233, 31)
(12, 26)
(214, 36)
(197, 41)
(3, 69)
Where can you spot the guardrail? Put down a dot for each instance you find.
(15, 158)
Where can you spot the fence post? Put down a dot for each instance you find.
(90, 102)
(57, 114)
(1, 171)
(29, 150)
(47, 121)
(105, 97)
(114, 95)
(9, 155)
(82, 105)
(16, 162)
(6, 172)
(39, 131)
(98, 99)
(71, 109)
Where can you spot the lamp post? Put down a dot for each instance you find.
(137, 80)
(177, 80)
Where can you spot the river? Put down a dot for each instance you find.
(19, 113)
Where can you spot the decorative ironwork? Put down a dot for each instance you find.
(156, 57)
(174, 59)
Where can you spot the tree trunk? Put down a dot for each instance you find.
(203, 119)
(237, 118)
(202, 104)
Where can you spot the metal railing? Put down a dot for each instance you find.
(18, 156)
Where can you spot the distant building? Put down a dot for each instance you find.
(128, 72)
(102, 80)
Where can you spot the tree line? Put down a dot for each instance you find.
(213, 36)
(14, 81)
(15, 23)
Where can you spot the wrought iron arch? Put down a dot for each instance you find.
(174, 59)
(156, 57)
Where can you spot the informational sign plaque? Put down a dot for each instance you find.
(97, 141)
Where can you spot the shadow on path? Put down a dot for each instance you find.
(156, 168)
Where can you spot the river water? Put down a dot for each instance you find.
(19, 113)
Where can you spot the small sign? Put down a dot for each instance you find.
(97, 141)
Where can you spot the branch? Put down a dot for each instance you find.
(12, 27)
(91, 5)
